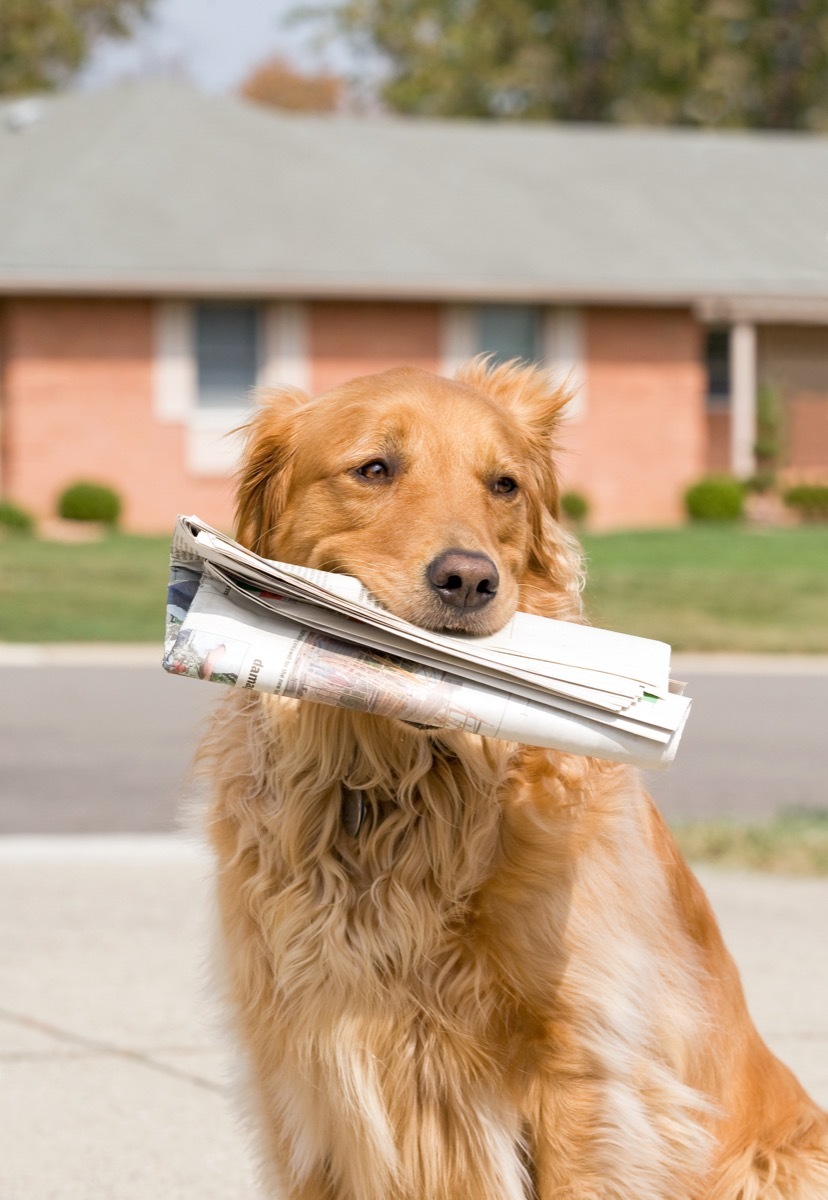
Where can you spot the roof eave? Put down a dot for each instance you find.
(710, 304)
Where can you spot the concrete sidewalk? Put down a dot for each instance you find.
(115, 1077)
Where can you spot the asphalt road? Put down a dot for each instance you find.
(755, 745)
(107, 748)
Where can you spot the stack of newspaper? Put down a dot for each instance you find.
(239, 619)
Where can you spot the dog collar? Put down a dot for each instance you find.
(353, 807)
(352, 810)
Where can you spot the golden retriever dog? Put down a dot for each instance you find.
(502, 982)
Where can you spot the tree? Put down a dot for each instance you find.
(759, 63)
(44, 42)
(277, 83)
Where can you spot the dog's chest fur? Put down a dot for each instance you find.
(405, 988)
(388, 1016)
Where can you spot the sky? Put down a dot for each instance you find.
(214, 43)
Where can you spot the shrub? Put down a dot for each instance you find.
(575, 506)
(769, 428)
(762, 482)
(15, 519)
(810, 500)
(716, 498)
(90, 502)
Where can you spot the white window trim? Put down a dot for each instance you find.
(564, 344)
(743, 398)
(286, 357)
(458, 337)
(174, 382)
(563, 347)
(210, 448)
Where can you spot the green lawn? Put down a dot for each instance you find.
(108, 591)
(698, 589)
(791, 844)
(714, 589)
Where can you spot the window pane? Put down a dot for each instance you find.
(227, 353)
(717, 360)
(509, 331)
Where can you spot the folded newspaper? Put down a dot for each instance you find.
(239, 619)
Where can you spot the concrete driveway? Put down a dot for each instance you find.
(117, 1077)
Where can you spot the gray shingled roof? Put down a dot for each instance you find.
(154, 188)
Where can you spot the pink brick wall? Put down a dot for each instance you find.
(807, 436)
(643, 438)
(718, 457)
(79, 403)
(350, 339)
(78, 386)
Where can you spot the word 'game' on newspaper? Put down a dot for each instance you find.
(239, 619)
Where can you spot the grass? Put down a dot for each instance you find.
(792, 844)
(714, 589)
(706, 589)
(108, 591)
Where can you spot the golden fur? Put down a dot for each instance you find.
(508, 984)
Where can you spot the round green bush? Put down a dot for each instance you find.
(716, 498)
(90, 502)
(810, 500)
(15, 519)
(575, 506)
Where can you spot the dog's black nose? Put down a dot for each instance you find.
(463, 579)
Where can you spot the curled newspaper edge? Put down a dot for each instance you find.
(248, 622)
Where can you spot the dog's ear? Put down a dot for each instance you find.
(264, 476)
(537, 406)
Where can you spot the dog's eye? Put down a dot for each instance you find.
(504, 485)
(377, 468)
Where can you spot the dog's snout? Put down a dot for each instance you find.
(463, 579)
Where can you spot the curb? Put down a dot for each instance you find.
(114, 654)
(750, 664)
(80, 654)
(101, 847)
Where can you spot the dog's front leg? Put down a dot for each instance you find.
(573, 916)
(279, 1177)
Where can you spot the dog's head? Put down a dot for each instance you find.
(439, 495)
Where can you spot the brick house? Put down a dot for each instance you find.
(163, 252)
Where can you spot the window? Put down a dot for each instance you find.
(717, 359)
(208, 358)
(509, 331)
(227, 352)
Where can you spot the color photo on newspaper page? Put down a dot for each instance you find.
(248, 622)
